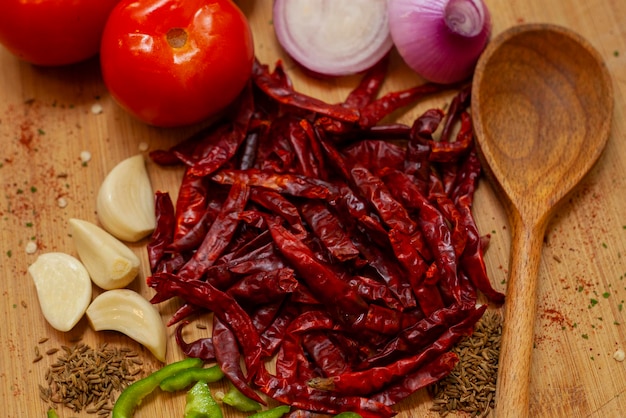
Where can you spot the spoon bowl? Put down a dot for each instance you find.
(542, 102)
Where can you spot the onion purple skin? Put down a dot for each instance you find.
(429, 46)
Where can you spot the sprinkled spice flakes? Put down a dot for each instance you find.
(84, 378)
(471, 385)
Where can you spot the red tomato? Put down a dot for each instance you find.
(176, 62)
(53, 32)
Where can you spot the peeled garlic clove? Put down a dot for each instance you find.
(128, 312)
(63, 288)
(110, 263)
(125, 202)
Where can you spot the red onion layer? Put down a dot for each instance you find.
(333, 37)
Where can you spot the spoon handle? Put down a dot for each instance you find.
(512, 389)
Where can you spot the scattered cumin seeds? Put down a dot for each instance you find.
(471, 385)
(38, 355)
(86, 378)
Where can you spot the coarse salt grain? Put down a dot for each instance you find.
(143, 146)
(85, 156)
(96, 108)
(62, 202)
(31, 247)
(619, 355)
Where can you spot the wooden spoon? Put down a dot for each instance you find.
(542, 102)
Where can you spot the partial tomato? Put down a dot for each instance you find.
(176, 62)
(53, 32)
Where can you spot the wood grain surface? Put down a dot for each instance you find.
(46, 121)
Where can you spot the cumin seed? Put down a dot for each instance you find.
(88, 379)
(470, 387)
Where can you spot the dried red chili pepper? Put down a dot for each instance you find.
(386, 266)
(263, 315)
(363, 94)
(228, 359)
(428, 296)
(201, 348)
(372, 380)
(224, 306)
(325, 353)
(459, 103)
(375, 111)
(393, 214)
(328, 228)
(211, 155)
(369, 86)
(264, 287)
(295, 131)
(472, 259)
(232, 267)
(315, 137)
(374, 243)
(277, 91)
(163, 233)
(249, 151)
(375, 154)
(336, 294)
(433, 225)
(181, 149)
(185, 311)
(219, 234)
(451, 151)
(452, 214)
(417, 336)
(292, 184)
(273, 335)
(427, 375)
(300, 395)
(292, 363)
(375, 291)
(279, 205)
(191, 203)
(417, 158)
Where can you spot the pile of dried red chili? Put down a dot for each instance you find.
(343, 247)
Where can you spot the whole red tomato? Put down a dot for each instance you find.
(53, 32)
(176, 62)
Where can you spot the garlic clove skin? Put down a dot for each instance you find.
(63, 288)
(125, 202)
(110, 263)
(128, 312)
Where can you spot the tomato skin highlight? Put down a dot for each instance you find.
(53, 32)
(176, 62)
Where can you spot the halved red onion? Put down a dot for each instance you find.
(333, 37)
(441, 40)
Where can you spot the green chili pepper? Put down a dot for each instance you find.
(200, 402)
(187, 377)
(239, 401)
(52, 413)
(348, 414)
(276, 412)
(132, 396)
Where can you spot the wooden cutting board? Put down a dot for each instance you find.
(46, 122)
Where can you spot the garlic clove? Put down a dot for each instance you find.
(128, 312)
(125, 201)
(63, 288)
(110, 263)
